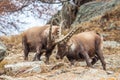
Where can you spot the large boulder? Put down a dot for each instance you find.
(95, 8)
(2, 51)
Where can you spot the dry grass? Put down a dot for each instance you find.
(109, 23)
(2, 64)
(13, 43)
(15, 39)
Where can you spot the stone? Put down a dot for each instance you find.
(25, 67)
(94, 8)
(2, 51)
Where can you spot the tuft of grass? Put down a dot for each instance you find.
(15, 39)
(4, 62)
(11, 41)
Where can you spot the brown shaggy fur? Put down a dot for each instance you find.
(83, 46)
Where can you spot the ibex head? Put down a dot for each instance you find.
(60, 41)
(63, 44)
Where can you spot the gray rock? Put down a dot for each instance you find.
(91, 9)
(112, 44)
(25, 67)
(2, 51)
(93, 74)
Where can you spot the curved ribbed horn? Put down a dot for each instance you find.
(68, 36)
(50, 31)
(60, 29)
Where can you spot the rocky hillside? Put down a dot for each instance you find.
(105, 18)
(13, 67)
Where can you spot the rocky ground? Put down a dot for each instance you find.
(13, 67)
(17, 69)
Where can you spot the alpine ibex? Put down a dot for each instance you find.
(81, 46)
(36, 39)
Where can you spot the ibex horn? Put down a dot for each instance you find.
(60, 29)
(50, 31)
(68, 36)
